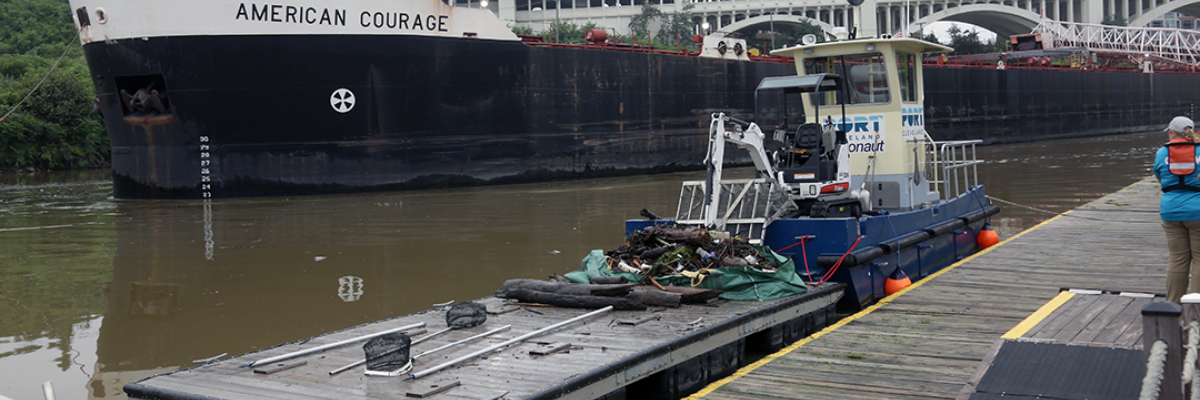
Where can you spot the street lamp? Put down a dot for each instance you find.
(557, 23)
(705, 27)
(483, 3)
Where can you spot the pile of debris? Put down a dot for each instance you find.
(671, 250)
(638, 273)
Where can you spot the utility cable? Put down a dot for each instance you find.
(39, 84)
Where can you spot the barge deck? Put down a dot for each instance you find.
(669, 351)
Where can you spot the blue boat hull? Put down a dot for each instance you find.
(919, 242)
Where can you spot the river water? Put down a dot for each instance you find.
(96, 293)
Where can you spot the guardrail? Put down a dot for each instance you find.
(954, 166)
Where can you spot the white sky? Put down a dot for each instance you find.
(941, 29)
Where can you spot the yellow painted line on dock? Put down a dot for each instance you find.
(1038, 316)
(786, 350)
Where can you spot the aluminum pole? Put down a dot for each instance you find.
(332, 345)
(510, 342)
(467, 340)
(414, 343)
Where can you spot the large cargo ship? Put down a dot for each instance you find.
(229, 98)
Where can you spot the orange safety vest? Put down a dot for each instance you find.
(1181, 156)
(1181, 161)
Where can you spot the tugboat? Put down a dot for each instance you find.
(849, 185)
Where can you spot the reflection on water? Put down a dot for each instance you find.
(98, 293)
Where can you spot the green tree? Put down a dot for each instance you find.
(639, 25)
(568, 32)
(1114, 20)
(677, 26)
(785, 34)
(965, 42)
(931, 38)
(35, 26)
(54, 128)
(521, 30)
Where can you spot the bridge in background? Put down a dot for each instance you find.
(873, 17)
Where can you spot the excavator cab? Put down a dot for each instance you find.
(810, 154)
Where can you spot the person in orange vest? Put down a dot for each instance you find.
(1175, 168)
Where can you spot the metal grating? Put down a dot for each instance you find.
(745, 206)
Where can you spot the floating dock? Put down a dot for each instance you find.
(930, 340)
(664, 352)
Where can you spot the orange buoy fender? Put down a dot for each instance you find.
(897, 281)
(987, 237)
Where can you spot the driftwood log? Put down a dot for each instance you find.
(688, 295)
(567, 300)
(652, 296)
(578, 289)
(607, 279)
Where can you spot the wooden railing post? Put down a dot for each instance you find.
(1191, 308)
(1160, 321)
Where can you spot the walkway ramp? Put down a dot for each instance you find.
(1179, 46)
(928, 341)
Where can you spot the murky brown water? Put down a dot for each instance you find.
(97, 293)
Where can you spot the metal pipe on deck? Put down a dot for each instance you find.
(332, 345)
(510, 342)
(467, 340)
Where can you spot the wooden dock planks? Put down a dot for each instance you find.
(928, 342)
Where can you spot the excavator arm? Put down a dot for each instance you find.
(749, 138)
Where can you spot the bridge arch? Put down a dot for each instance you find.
(1189, 7)
(767, 19)
(1005, 21)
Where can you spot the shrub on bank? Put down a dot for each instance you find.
(55, 128)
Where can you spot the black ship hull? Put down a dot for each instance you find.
(252, 115)
(1005, 106)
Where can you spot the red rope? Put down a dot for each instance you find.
(802, 240)
(829, 274)
(804, 253)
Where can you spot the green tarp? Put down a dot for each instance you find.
(739, 283)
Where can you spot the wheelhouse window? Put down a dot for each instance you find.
(865, 76)
(906, 66)
(776, 110)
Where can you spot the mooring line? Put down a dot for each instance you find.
(993, 198)
(39, 84)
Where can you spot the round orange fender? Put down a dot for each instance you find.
(987, 237)
(897, 281)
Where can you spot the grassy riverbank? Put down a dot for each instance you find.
(52, 127)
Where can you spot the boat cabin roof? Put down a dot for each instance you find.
(802, 83)
(860, 46)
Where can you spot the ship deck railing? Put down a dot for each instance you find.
(954, 167)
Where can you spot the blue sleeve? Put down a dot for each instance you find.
(1160, 163)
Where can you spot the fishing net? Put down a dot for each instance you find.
(388, 354)
(466, 315)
